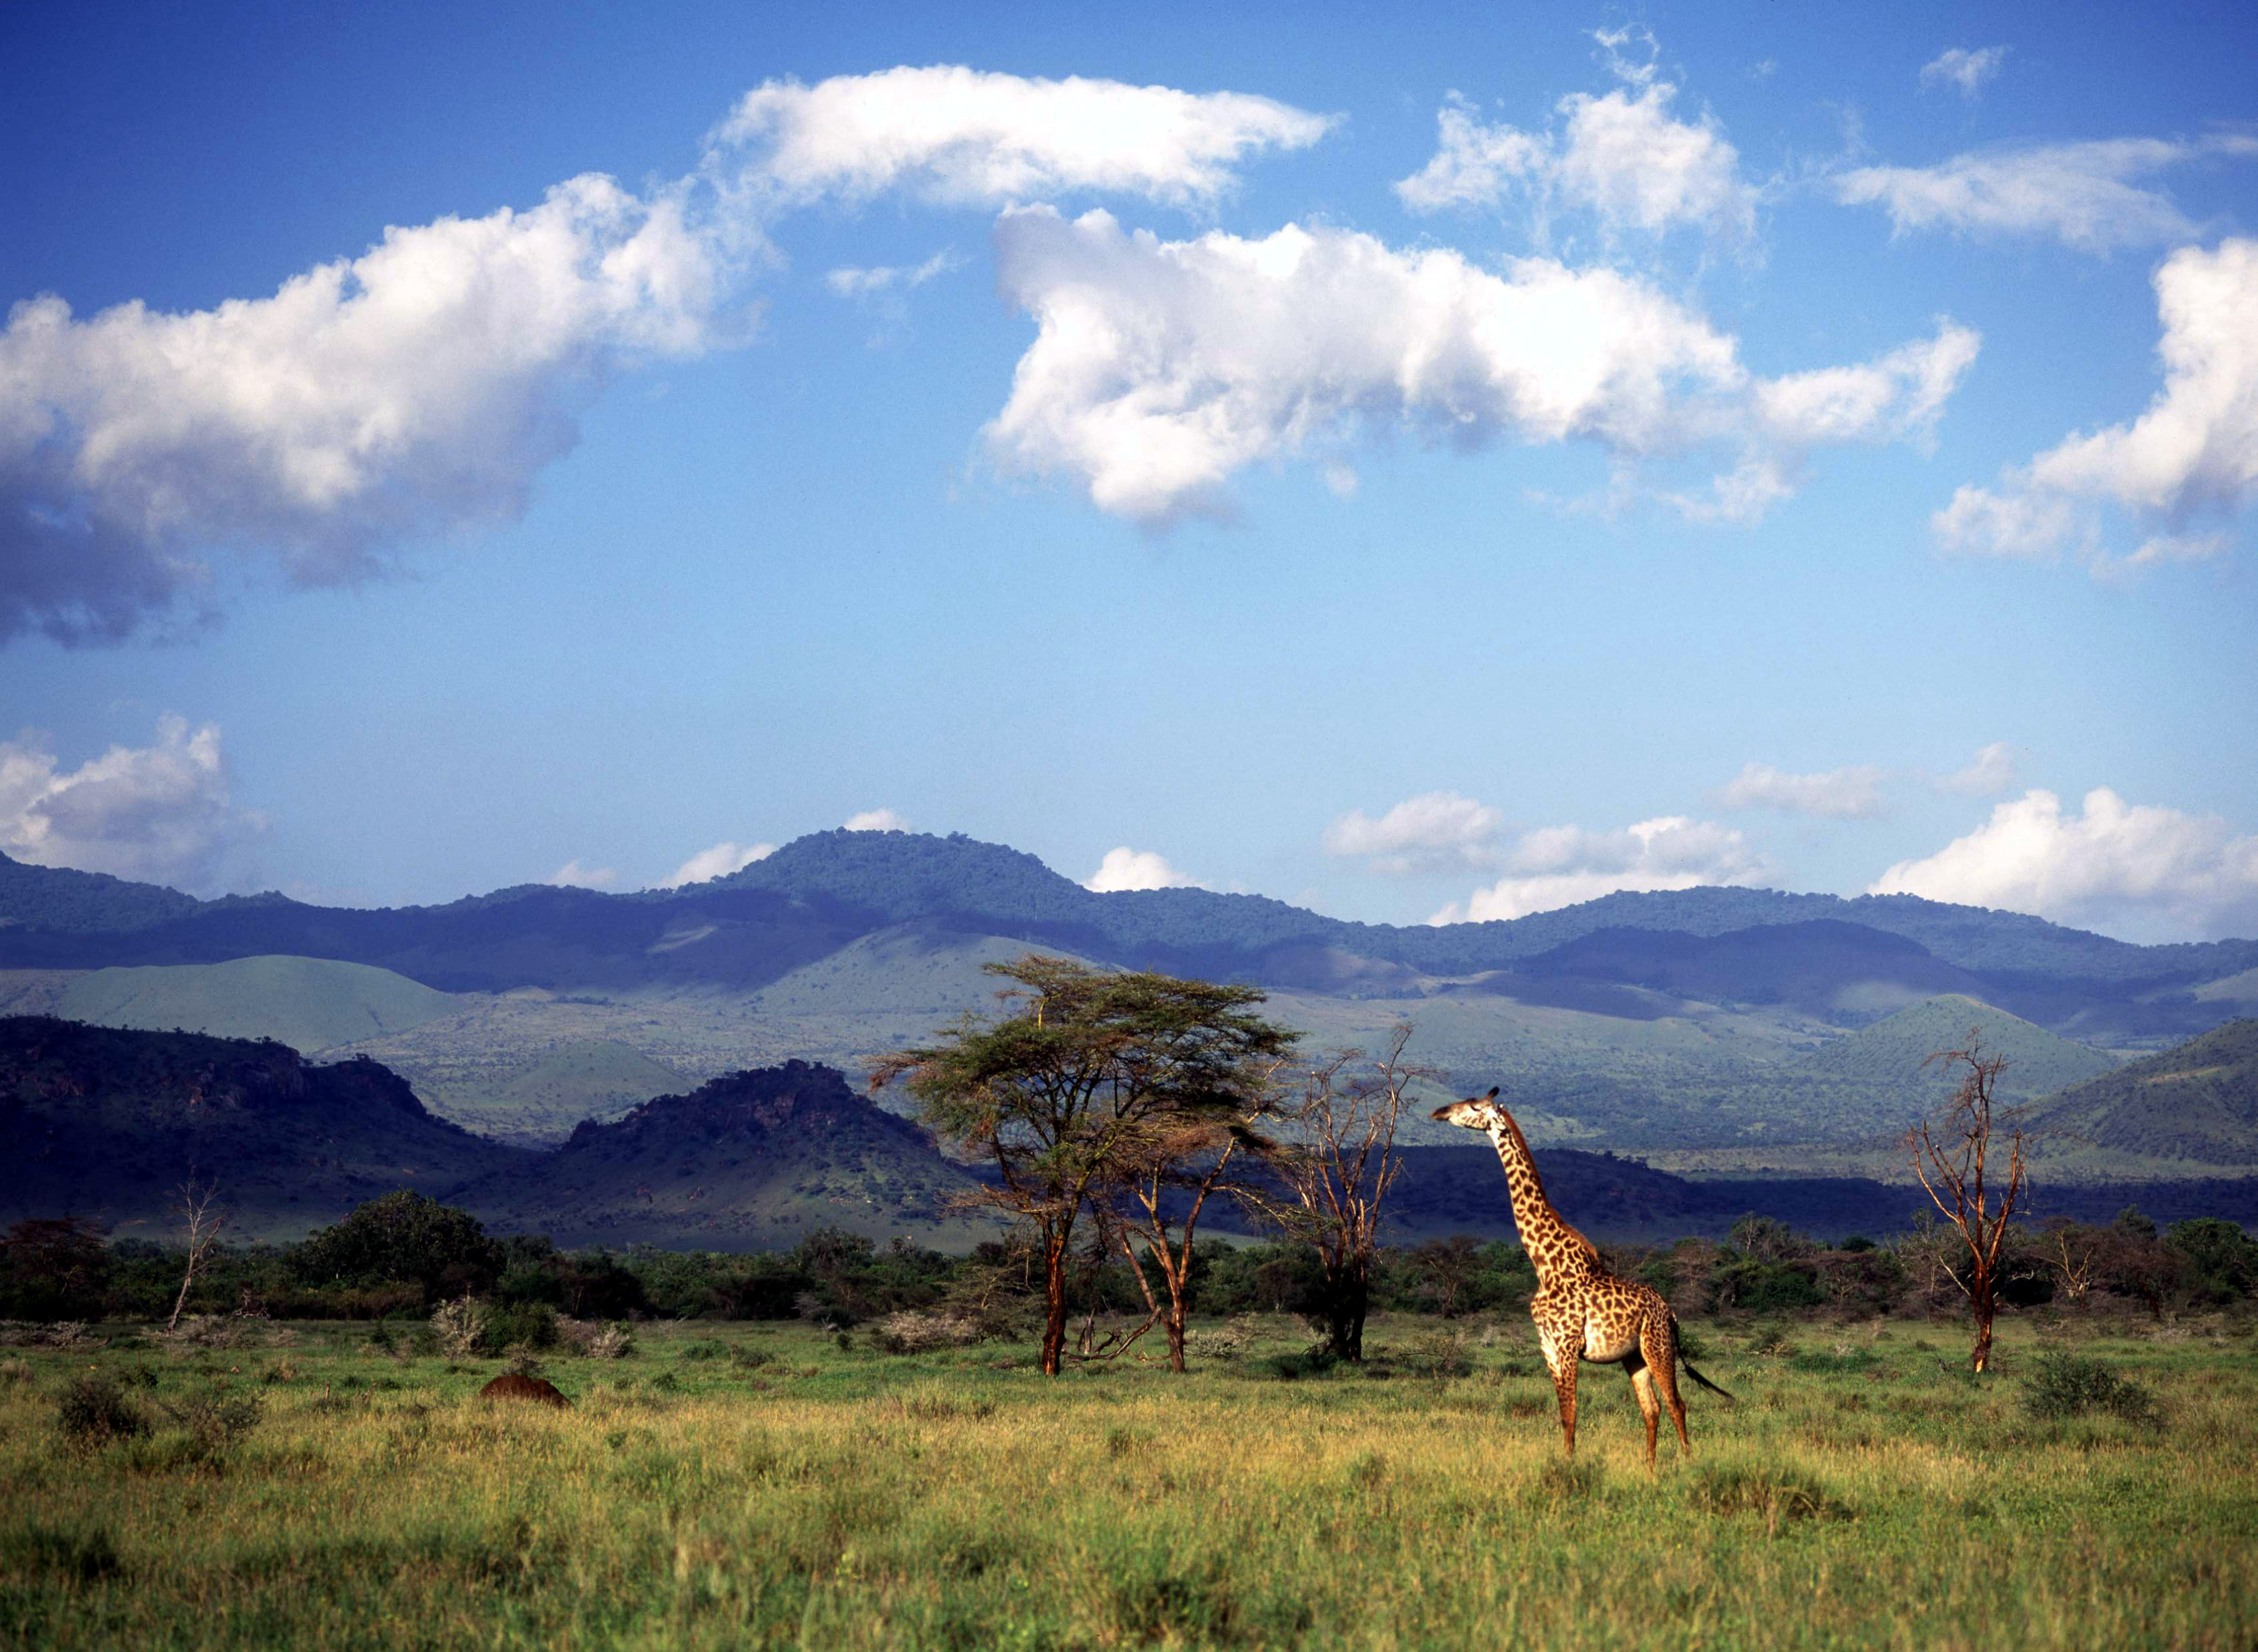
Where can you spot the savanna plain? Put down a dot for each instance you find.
(734, 1485)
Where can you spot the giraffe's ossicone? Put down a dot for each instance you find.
(1583, 1313)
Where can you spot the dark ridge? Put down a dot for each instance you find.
(752, 1161)
(106, 1123)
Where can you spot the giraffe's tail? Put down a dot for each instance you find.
(1676, 1338)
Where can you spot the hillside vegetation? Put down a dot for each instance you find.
(1895, 1053)
(2197, 1102)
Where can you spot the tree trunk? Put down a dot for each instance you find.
(1054, 1306)
(1344, 1310)
(1981, 1300)
(1175, 1318)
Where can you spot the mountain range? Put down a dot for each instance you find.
(1714, 1032)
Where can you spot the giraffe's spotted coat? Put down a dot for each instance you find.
(1582, 1311)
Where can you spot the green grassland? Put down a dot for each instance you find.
(732, 1487)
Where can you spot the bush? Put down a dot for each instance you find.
(459, 1328)
(910, 1332)
(590, 1341)
(202, 1331)
(2069, 1385)
(526, 1325)
(1225, 1342)
(36, 1551)
(214, 1421)
(1775, 1493)
(93, 1411)
(1438, 1354)
(403, 1236)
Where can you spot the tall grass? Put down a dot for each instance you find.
(823, 1498)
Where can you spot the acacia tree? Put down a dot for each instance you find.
(1170, 1165)
(1337, 1167)
(1093, 1076)
(1952, 1158)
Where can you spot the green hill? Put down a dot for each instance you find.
(309, 1003)
(751, 1162)
(106, 1123)
(592, 1078)
(2197, 1102)
(1893, 1053)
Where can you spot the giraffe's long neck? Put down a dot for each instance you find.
(1557, 1252)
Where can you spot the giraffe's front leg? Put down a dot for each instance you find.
(1560, 1357)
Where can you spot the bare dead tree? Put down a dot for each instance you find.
(1338, 1162)
(2077, 1254)
(1952, 1158)
(197, 1205)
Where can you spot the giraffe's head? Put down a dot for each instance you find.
(1476, 1112)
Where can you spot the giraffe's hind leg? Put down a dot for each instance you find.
(1641, 1385)
(1657, 1345)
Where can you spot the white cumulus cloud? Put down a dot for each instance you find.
(1623, 157)
(2140, 871)
(718, 862)
(412, 390)
(1160, 369)
(1127, 869)
(1853, 793)
(419, 389)
(1560, 865)
(1964, 68)
(962, 137)
(1434, 830)
(573, 875)
(159, 813)
(2086, 195)
(2193, 453)
(1991, 772)
(876, 820)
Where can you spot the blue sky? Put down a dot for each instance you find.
(1439, 468)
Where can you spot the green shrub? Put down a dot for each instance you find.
(42, 1551)
(214, 1421)
(1776, 1494)
(93, 1411)
(523, 1325)
(2070, 1385)
(1440, 1354)
(459, 1328)
(1842, 1360)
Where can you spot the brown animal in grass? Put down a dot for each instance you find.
(513, 1384)
(1582, 1311)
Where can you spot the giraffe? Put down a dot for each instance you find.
(1582, 1311)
